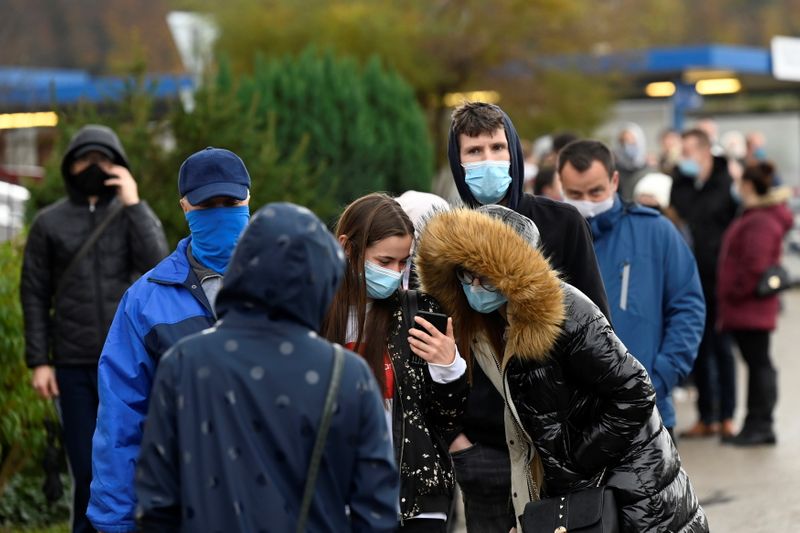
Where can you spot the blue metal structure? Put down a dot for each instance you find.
(29, 89)
(672, 60)
(671, 64)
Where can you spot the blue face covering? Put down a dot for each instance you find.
(481, 300)
(381, 282)
(689, 168)
(760, 154)
(215, 232)
(488, 181)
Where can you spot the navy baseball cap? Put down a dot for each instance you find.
(213, 172)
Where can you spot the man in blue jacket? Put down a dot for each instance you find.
(650, 274)
(236, 409)
(173, 300)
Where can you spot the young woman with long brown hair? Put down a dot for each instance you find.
(419, 369)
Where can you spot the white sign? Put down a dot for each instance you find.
(786, 58)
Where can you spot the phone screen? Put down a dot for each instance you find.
(438, 320)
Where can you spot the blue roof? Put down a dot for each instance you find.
(740, 59)
(28, 88)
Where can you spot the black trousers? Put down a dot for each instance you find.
(762, 378)
(484, 475)
(715, 373)
(78, 403)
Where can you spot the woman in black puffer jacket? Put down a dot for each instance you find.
(579, 407)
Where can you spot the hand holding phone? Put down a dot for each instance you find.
(431, 339)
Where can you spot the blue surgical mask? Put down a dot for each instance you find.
(591, 209)
(760, 154)
(381, 282)
(481, 300)
(488, 181)
(215, 232)
(631, 150)
(689, 168)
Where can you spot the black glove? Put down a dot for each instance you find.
(53, 462)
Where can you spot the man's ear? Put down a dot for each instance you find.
(615, 181)
(184, 204)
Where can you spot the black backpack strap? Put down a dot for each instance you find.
(322, 435)
(115, 210)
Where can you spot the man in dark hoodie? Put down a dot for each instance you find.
(487, 164)
(68, 299)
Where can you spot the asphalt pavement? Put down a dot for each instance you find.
(753, 490)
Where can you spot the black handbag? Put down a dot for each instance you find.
(774, 280)
(591, 510)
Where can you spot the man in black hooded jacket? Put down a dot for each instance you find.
(68, 307)
(486, 160)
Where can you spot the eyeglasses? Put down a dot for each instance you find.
(466, 277)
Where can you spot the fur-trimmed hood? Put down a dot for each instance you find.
(775, 196)
(489, 247)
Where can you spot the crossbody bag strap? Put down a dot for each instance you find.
(115, 210)
(322, 435)
(410, 307)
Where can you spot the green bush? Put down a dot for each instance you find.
(22, 413)
(25, 504)
(364, 127)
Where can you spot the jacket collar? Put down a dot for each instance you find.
(175, 268)
(486, 245)
(776, 196)
(605, 222)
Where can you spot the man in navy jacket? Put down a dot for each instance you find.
(173, 300)
(649, 272)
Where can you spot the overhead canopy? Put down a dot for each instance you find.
(671, 60)
(29, 89)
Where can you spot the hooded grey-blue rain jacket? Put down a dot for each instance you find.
(235, 409)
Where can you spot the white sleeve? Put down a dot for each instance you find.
(448, 373)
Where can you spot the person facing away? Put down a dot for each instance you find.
(236, 408)
(649, 272)
(702, 198)
(419, 370)
(752, 244)
(171, 301)
(579, 407)
(486, 163)
(68, 301)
